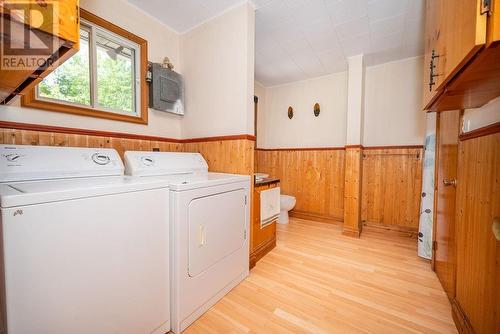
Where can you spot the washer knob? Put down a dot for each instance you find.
(101, 159)
(12, 157)
(147, 161)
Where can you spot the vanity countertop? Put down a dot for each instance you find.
(267, 181)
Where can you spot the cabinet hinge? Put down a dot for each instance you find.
(486, 7)
(434, 245)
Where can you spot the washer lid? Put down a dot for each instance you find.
(164, 163)
(36, 192)
(26, 163)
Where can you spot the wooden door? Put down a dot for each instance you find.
(444, 227)
(478, 251)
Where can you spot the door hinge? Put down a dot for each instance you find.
(434, 245)
(486, 7)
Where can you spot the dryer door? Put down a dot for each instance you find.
(216, 229)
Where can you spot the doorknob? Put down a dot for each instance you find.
(452, 182)
(496, 228)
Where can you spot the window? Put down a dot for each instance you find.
(105, 78)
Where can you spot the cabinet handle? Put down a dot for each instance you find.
(432, 67)
(452, 182)
(496, 228)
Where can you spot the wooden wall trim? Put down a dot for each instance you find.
(481, 132)
(315, 217)
(336, 148)
(460, 318)
(394, 147)
(98, 133)
(218, 138)
(301, 149)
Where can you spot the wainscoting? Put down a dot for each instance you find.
(314, 177)
(391, 181)
(226, 156)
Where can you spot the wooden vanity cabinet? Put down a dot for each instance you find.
(262, 240)
(461, 68)
(55, 23)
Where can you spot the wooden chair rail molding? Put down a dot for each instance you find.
(336, 148)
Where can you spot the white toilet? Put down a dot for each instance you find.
(287, 203)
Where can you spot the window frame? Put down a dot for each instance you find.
(31, 100)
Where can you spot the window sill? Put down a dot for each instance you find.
(29, 101)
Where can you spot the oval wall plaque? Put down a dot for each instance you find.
(316, 110)
(290, 112)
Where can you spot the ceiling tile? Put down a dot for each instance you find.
(381, 9)
(356, 45)
(345, 11)
(353, 28)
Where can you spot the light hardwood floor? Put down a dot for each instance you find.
(318, 281)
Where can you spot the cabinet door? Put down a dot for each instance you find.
(462, 33)
(478, 251)
(444, 236)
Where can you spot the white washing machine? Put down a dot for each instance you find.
(210, 229)
(84, 248)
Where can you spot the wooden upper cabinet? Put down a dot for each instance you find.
(41, 35)
(461, 34)
(432, 20)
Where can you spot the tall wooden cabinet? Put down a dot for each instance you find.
(467, 254)
(462, 43)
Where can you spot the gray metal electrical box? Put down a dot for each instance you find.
(166, 90)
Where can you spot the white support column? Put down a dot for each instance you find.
(355, 100)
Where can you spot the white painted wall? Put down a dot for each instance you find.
(391, 110)
(393, 104)
(161, 42)
(218, 67)
(275, 130)
(481, 117)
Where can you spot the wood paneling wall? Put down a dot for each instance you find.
(28, 137)
(314, 177)
(226, 156)
(392, 184)
(230, 156)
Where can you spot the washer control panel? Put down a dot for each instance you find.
(24, 162)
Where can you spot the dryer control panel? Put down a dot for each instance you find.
(138, 163)
(27, 163)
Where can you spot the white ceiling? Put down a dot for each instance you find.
(301, 39)
(183, 15)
